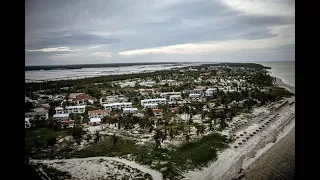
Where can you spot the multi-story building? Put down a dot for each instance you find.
(130, 110)
(40, 114)
(194, 96)
(98, 113)
(59, 110)
(150, 106)
(61, 117)
(167, 94)
(75, 109)
(112, 106)
(175, 97)
(154, 101)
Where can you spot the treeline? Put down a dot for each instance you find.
(35, 86)
(245, 65)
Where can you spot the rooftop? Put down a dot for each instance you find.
(60, 115)
(98, 111)
(95, 119)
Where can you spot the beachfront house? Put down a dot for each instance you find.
(118, 105)
(95, 121)
(153, 101)
(130, 110)
(99, 113)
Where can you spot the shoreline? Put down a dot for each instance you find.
(230, 162)
(263, 156)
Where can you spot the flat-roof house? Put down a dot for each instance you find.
(41, 114)
(75, 109)
(194, 96)
(130, 110)
(150, 106)
(95, 121)
(61, 117)
(167, 94)
(98, 113)
(59, 110)
(153, 101)
(112, 106)
(175, 97)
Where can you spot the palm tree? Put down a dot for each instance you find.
(97, 136)
(115, 139)
(157, 138)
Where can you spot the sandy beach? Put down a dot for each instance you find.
(232, 162)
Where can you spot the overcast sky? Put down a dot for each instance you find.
(115, 31)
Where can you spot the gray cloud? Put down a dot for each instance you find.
(124, 25)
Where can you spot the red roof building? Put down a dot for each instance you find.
(157, 112)
(98, 113)
(81, 98)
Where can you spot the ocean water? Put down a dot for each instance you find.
(284, 70)
(278, 163)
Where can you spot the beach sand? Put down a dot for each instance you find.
(233, 162)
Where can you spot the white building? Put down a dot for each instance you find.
(194, 96)
(210, 91)
(127, 84)
(95, 121)
(151, 106)
(98, 113)
(33, 115)
(167, 94)
(59, 110)
(170, 82)
(27, 123)
(112, 106)
(130, 110)
(148, 83)
(175, 97)
(75, 109)
(153, 101)
(61, 117)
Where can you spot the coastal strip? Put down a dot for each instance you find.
(229, 164)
